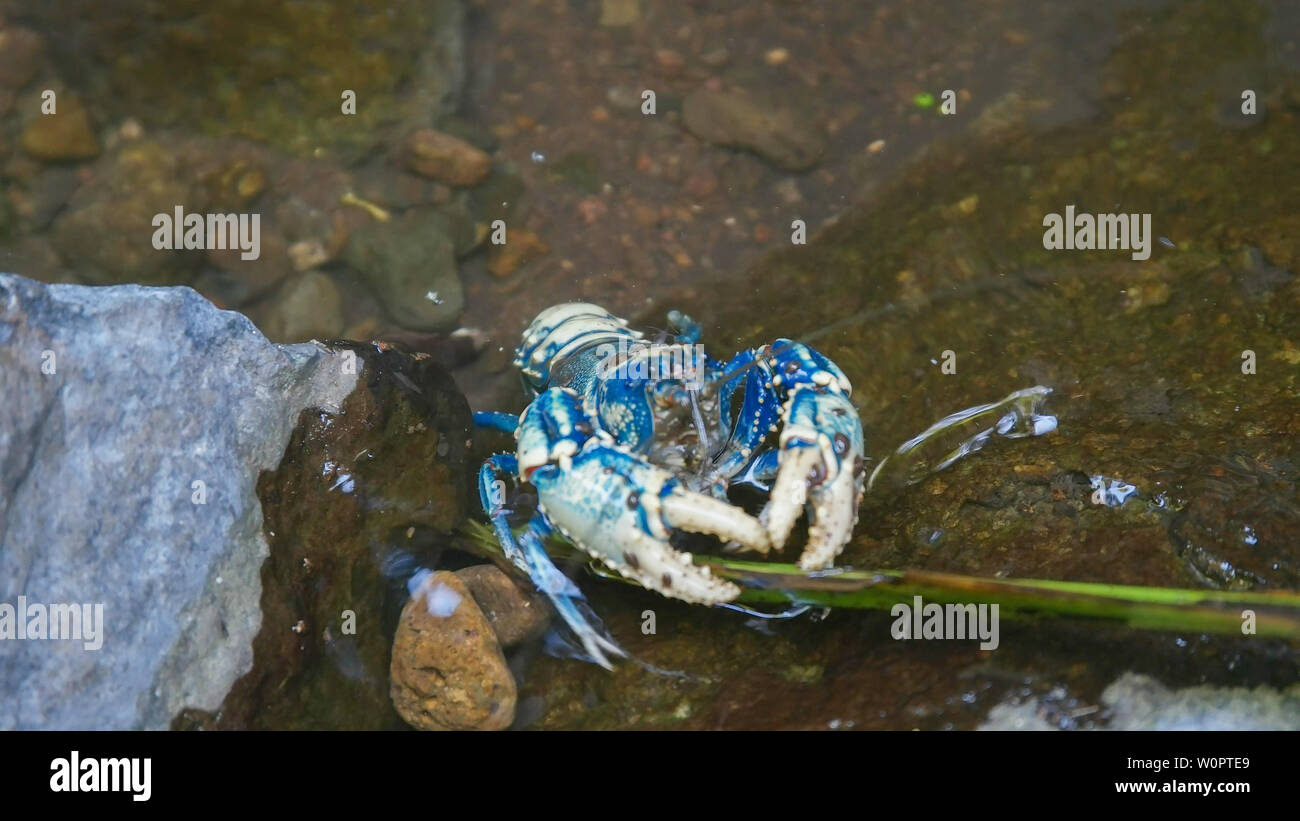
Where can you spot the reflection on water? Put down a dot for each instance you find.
(1014, 417)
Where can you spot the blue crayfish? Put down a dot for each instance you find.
(628, 442)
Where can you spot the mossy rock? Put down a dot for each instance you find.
(268, 71)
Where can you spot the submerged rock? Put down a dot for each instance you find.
(308, 306)
(104, 231)
(45, 194)
(106, 227)
(21, 52)
(136, 422)
(734, 119)
(275, 72)
(444, 158)
(67, 134)
(516, 615)
(521, 247)
(410, 262)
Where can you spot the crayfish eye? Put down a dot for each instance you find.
(791, 366)
(817, 475)
(583, 428)
(841, 444)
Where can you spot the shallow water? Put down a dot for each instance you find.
(926, 278)
(1167, 460)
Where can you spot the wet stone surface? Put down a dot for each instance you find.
(778, 135)
(515, 613)
(1145, 359)
(361, 499)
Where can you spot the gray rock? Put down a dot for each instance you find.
(152, 390)
(410, 261)
(1139, 702)
(105, 231)
(308, 306)
(776, 134)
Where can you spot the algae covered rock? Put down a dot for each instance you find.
(275, 72)
(66, 134)
(361, 498)
(105, 231)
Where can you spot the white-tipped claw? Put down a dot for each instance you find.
(698, 513)
(834, 514)
(790, 491)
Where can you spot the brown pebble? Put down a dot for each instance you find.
(521, 246)
(448, 673)
(702, 184)
(64, 135)
(669, 60)
(445, 158)
(780, 136)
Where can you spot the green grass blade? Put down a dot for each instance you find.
(1276, 614)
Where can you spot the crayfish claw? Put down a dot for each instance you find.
(698, 513)
(821, 469)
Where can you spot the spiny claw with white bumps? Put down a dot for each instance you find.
(821, 450)
(623, 511)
